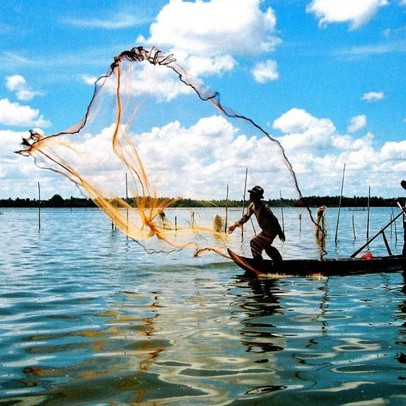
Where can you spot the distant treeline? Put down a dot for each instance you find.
(311, 201)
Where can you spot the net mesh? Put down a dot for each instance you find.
(151, 123)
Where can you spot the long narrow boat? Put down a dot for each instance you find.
(326, 267)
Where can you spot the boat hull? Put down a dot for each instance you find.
(327, 267)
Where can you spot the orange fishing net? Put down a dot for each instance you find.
(148, 119)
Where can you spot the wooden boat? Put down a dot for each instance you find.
(326, 267)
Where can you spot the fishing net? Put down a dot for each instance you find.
(168, 136)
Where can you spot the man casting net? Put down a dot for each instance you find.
(173, 138)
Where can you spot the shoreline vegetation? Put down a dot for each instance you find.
(310, 201)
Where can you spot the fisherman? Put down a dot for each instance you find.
(268, 223)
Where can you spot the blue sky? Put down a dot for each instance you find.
(325, 77)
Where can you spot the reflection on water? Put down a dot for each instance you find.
(87, 317)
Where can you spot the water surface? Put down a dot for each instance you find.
(88, 317)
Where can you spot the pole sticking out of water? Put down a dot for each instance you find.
(126, 198)
(339, 205)
(353, 228)
(391, 228)
(403, 212)
(396, 231)
(368, 210)
(283, 219)
(39, 206)
(225, 223)
(243, 202)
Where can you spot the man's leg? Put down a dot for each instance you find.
(257, 247)
(273, 253)
(259, 243)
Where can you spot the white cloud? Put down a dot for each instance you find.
(200, 65)
(403, 3)
(145, 80)
(265, 71)
(14, 82)
(10, 141)
(19, 176)
(203, 157)
(13, 167)
(357, 13)
(394, 149)
(299, 121)
(161, 83)
(200, 29)
(304, 132)
(212, 153)
(18, 84)
(373, 96)
(15, 114)
(318, 152)
(356, 123)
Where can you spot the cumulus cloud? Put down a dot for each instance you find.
(15, 114)
(318, 152)
(265, 71)
(210, 65)
(356, 123)
(212, 153)
(19, 86)
(299, 121)
(212, 148)
(10, 141)
(19, 175)
(304, 132)
(373, 96)
(201, 29)
(356, 13)
(14, 169)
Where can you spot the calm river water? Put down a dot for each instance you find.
(88, 317)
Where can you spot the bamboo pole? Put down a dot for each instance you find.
(39, 206)
(403, 211)
(126, 198)
(368, 210)
(225, 223)
(353, 228)
(391, 227)
(386, 242)
(404, 221)
(243, 203)
(283, 219)
(339, 205)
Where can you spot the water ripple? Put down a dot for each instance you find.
(87, 317)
